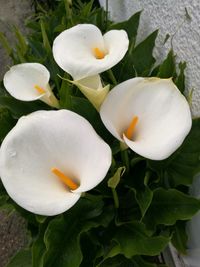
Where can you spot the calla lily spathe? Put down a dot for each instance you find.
(49, 158)
(82, 51)
(92, 88)
(149, 115)
(28, 82)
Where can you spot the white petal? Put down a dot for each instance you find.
(163, 112)
(112, 110)
(73, 50)
(92, 88)
(51, 139)
(20, 80)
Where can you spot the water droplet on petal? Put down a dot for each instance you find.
(13, 154)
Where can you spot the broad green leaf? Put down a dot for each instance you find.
(168, 206)
(84, 108)
(130, 26)
(184, 164)
(19, 108)
(62, 237)
(91, 249)
(65, 93)
(118, 261)
(39, 248)
(6, 122)
(115, 179)
(142, 55)
(138, 61)
(140, 262)
(129, 209)
(144, 197)
(21, 259)
(133, 239)
(180, 80)
(180, 238)
(168, 68)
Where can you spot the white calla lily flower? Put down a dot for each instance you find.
(150, 115)
(92, 88)
(28, 82)
(82, 51)
(49, 158)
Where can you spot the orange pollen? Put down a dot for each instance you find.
(131, 128)
(65, 179)
(99, 54)
(39, 89)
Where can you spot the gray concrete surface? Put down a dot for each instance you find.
(169, 16)
(12, 235)
(12, 228)
(12, 12)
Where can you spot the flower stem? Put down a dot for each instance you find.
(68, 10)
(112, 77)
(115, 197)
(125, 159)
(136, 160)
(146, 178)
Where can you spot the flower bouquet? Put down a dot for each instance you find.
(98, 144)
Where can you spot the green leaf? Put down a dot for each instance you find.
(19, 108)
(65, 93)
(180, 80)
(130, 26)
(118, 261)
(115, 179)
(180, 238)
(6, 122)
(21, 259)
(91, 249)
(142, 58)
(168, 68)
(46, 42)
(39, 248)
(62, 237)
(142, 263)
(128, 207)
(22, 44)
(40, 218)
(5, 44)
(168, 206)
(133, 239)
(144, 198)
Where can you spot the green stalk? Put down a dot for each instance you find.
(125, 159)
(112, 77)
(115, 197)
(68, 11)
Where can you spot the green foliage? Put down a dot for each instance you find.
(168, 69)
(6, 122)
(171, 205)
(21, 259)
(179, 238)
(142, 204)
(142, 57)
(133, 239)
